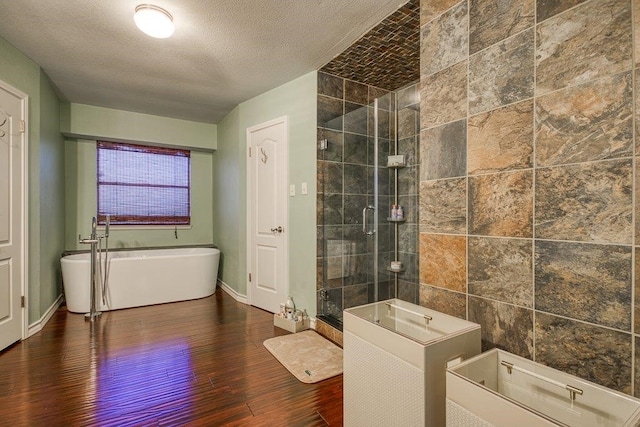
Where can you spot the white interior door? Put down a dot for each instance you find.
(12, 194)
(267, 214)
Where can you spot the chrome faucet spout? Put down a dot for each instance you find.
(86, 241)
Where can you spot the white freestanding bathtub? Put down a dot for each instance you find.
(142, 277)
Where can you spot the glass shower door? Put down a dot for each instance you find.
(355, 241)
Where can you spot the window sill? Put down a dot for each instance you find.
(145, 227)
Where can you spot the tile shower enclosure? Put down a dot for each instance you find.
(345, 187)
(528, 178)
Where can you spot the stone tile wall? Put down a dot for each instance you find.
(527, 166)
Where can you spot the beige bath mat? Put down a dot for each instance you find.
(307, 355)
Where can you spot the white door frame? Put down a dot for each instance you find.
(285, 204)
(24, 201)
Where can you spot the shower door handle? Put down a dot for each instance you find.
(364, 220)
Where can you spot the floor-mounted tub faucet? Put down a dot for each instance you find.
(93, 241)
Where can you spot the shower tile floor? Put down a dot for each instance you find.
(198, 362)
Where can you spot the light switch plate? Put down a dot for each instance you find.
(303, 188)
(292, 190)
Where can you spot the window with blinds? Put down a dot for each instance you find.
(143, 185)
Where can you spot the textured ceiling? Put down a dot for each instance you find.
(388, 56)
(221, 54)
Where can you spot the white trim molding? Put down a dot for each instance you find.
(24, 203)
(232, 292)
(37, 326)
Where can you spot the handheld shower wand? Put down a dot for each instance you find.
(105, 276)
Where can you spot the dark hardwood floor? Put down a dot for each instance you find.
(197, 362)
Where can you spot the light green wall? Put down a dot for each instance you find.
(84, 124)
(51, 195)
(228, 186)
(44, 242)
(219, 211)
(89, 122)
(297, 101)
(81, 203)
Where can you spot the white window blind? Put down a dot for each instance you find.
(143, 185)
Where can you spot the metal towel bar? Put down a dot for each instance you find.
(426, 317)
(571, 389)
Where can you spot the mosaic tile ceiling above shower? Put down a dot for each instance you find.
(388, 56)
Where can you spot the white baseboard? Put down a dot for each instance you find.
(243, 299)
(232, 292)
(37, 326)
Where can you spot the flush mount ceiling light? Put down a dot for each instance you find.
(154, 21)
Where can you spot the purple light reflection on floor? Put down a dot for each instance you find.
(143, 384)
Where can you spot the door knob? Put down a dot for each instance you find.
(277, 230)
